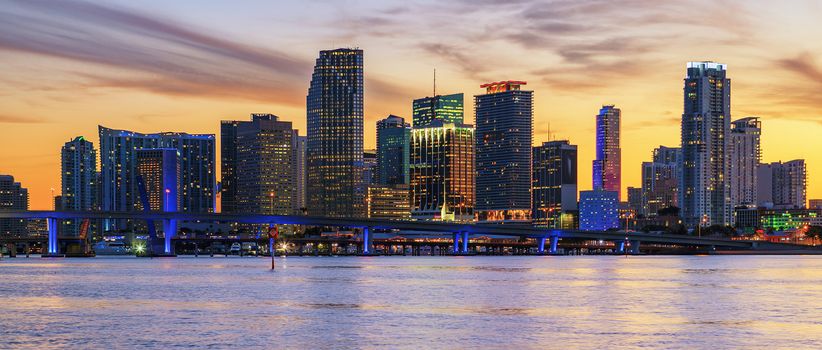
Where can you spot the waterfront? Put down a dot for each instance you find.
(412, 302)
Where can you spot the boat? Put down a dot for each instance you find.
(111, 248)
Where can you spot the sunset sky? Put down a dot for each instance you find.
(67, 66)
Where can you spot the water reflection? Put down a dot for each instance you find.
(413, 302)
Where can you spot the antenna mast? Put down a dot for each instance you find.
(435, 82)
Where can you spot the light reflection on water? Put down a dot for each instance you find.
(413, 302)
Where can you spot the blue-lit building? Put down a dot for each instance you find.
(598, 210)
(706, 122)
(161, 173)
(118, 163)
(335, 135)
(504, 134)
(446, 108)
(393, 141)
(78, 176)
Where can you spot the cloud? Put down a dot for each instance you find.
(14, 119)
(160, 55)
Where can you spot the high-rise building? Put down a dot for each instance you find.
(161, 173)
(782, 185)
(369, 168)
(555, 182)
(388, 202)
(598, 210)
(118, 170)
(13, 196)
(79, 181)
(300, 143)
(446, 108)
(335, 135)
(660, 185)
(442, 172)
(607, 173)
(504, 135)
(744, 159)
(261, 158)
(393, 142)
(705, 189)
(660, 181)
(815, 204)
(228, 165)
(635, 201)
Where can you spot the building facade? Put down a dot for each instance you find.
(78, 161)
(782, 185)
(262, 159)
(554, 183)
(335, 135)
(446, 108)
(389, 202)
(607, 168)
(705, 189)
(598, 210)
(442, 172)
(660, 181)
(13, 196)
(745, 158)
(393, 142)
(299, 146)
(160, 170)
(118, 150)
(504, 135)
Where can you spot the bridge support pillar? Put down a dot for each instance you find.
(169, 231)
(635, 247)
(620, 247)
(366, 241)
(456, 249)
(465, 242)
(52, 251)
(541, 246)
(554, 241)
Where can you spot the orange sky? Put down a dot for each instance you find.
(68, 66)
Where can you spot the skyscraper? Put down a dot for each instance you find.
(447, 108)
(706, 122)
(607, 165)
(300, 143)
(555, 182)
(660, 181)
(118, 163)
(504, 135)
(79, 180)
(782, 185)
(13, 196)
(261, 161)
(228, 165)
(442, 172)
(744, 159)
(393, 141)
(335, 135)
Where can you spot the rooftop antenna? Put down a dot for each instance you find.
(549, 132)
(435, 82)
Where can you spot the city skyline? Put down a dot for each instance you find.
(70, 101)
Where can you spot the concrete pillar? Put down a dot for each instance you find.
(634, 247)
(366, 240)
(51, 223)
(465, 242)
(554, 241)
(169, 231)
(456, 248)
(620, 247)
(541, 245)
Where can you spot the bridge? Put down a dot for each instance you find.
(460, 232)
